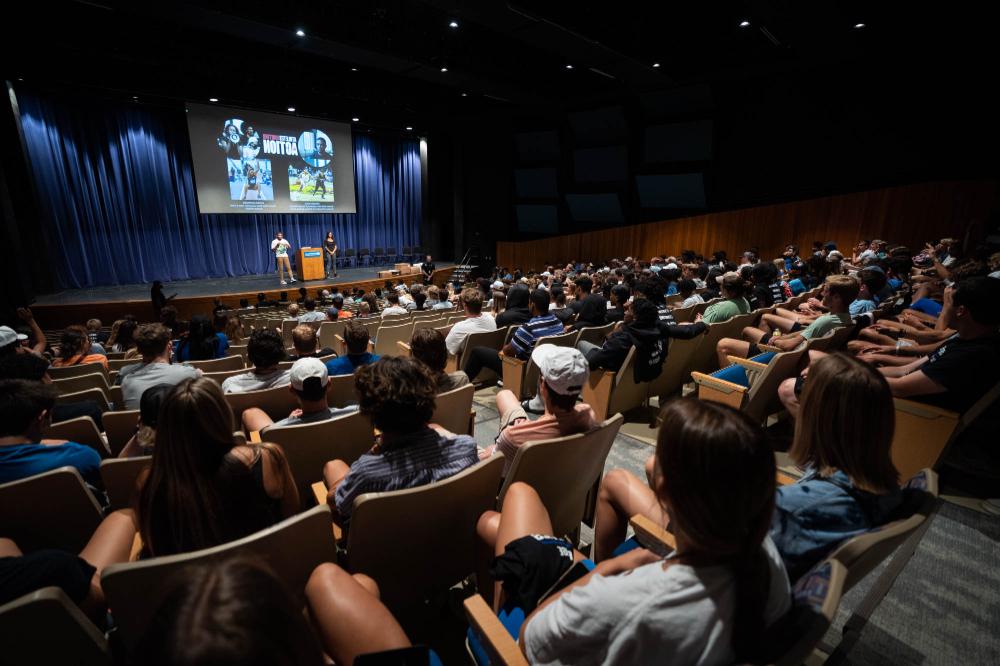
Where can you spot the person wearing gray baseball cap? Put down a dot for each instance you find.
(562, 373)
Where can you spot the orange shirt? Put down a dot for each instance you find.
(76, 360)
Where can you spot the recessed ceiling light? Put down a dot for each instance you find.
(291, 109)
(858, 26)
(569, 66)
(213, 99)
(453, 24)
(465, 94)
(354, 69)
(135, 97)
(744, 24)
(656, 64)
(444, 69)
(300, 32)
(409, 129)
(355, 119)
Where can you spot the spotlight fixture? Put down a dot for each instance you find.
(453, 24)
(858, 26)
(135, 97)
(656, 65)
(444, 69)
(291, 109)
(465, 94)
(354, 69)
(744, 24)
(569, 66)
(300, 32)
(354, 120)
(409, 129)
(213, 99)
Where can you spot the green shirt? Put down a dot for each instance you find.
(826, 323)
(725, 310)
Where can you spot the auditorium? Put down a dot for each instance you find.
(422, 332)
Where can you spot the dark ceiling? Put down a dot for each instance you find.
(510, 54)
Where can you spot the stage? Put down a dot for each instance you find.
(61, 308)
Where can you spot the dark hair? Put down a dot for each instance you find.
(200, 340)
(168, 315)
(686, 286)
(152, 339)
(980, 296)
(197, 494)
(23, 366)
(220, 321)
(540, 299)
(372, 303)
(265, 348)
(652, 289)
(392, 297)
(427, 345)
(396, 393)
(302, 292)
(621, 293)
(356, 337)
(310, 304)
(734, 286)
(21, 401)
(231, 612)
(593, 311)
(517, 296)
(584, 283)
(874, 280)
(645, 314)
(419, 298)
(338, 301)
(716, 479)
(72, 341)
(150, 403)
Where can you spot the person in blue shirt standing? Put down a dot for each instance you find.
(356, 338)
(25, 413)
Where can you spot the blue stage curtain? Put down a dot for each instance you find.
(117, 195)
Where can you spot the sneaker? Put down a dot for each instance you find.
(531, 409)
(294, 280)
(283, 282)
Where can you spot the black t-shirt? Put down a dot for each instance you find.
(427, 268)
(966, 368)
(330, 245)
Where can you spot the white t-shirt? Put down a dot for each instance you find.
(280, 247)
(693, 299)
(394, 310)
(649, 616)
(251, 381)
(461, 330)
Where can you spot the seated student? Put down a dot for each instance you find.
(153, 342)
(309, 383)
(562, 373)
(733, 291)
(78, 576)
(293, 311)
(838, 293)
(397, 395)
(843, 436)
(475, 321)
(652, 290)
(141, 443)
(428, 346)
(620, 294)
(123, 332)
(967, 366)
(767, 289)
(337, 312)
(304, 340)
(593, 312)
(75, 349)
(203, 489)
(25, 409)
(687, 291)
(201, 342)
(265, 350)
(311, 313)
(707, 602)
(356, 338)
(516, 308)
(35, 368)
(582, 287)
(871, 280)
(436, 300)
(541, 324)
(393, 307)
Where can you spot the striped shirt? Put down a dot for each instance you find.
(666, 314)
(777, 292)
(420, 458)
(527, 335)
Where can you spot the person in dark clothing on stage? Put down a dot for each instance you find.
(427, 268)
(157, 297)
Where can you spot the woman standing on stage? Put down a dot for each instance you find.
(330, 254)
(280, 247)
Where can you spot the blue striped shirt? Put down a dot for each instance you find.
(420, 458)
(527, 335)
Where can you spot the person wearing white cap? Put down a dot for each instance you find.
(10, 340)
(309, 382)
(562, 373)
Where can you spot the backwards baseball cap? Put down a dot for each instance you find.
(564, 369)
(9, 336)
(305, 369)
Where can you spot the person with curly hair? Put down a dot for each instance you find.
(397, 394)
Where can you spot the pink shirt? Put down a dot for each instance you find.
(548, 426)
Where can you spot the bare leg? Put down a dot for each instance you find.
(350, 619)
(786, 392)
(333, 473)
(8, 548)
(650, 467)
(622, 496)
(110, 544)
(255, 419)
(783, 323)
(506, 401)
(731, 347)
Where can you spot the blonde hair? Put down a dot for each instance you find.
(845, 286)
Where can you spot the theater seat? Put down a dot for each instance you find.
(46, 627)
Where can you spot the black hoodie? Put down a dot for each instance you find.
(649, 348)
(517, 311)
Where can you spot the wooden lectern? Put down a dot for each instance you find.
(311, 264)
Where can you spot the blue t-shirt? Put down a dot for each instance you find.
(860, 306)
(345, 365)
(182, 354)
(19, 461)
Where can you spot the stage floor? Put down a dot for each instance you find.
(209, 287)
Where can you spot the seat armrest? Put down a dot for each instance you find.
(404, 348)
(747, 363)
(498, 643)
(652, 536)
(721, 385)
(770, 348)
(255, 437)
(340, 343)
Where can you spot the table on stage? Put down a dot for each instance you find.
(311, 264)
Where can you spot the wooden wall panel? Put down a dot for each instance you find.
(910, 214)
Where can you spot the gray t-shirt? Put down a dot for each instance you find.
(314, 417)
(826, 323)
(251, 381)
(142, 376)
(312, 315)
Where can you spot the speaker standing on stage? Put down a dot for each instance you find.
(428, 269)
(280, 247)
(330, 254)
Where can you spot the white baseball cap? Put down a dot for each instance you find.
(564, 369)
(497, 285)
(9, 336)
(546, 274)
(304, 368)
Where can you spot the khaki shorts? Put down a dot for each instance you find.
(512, 417)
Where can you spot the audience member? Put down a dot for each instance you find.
(265, 350)
(735, 303)
(475, 321)
(309, 383)
(582, 287)
(397, 395)
(305, 341)
(75, 349)
(593, 312)
(393, 307)
(516, 310)
(168, 317)
(141, 443)
(201, 342)
(686, 288)
(311, 314)
(428, 347)
(202, 489)
(356, 340)
(153, 342)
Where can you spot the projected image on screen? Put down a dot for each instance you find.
(315, 155)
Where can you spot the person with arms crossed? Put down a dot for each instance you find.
(280, 247)
(330, 256)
